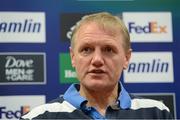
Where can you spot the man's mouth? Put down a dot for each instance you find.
(97, 71)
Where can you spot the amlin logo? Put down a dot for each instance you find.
(67, 72)
(22, 27)
(150, 67)
(149, 26)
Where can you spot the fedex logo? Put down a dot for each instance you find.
(21, 104)
(13, 114)
(151, 27)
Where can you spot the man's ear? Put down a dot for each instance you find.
(127, 59)
(72, 57)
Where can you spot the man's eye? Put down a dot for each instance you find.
(86, 50)
(108, 49)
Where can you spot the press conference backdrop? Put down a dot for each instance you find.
(34, 40)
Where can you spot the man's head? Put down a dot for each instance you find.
(107, 22)
(100, 50)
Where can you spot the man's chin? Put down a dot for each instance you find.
(98, 87)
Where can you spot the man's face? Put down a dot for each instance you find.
(98, 57)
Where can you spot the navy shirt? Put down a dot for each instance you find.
(73, 106)
(73, 96)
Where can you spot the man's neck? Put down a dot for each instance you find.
(100, 99)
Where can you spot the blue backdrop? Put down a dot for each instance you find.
(55, 45)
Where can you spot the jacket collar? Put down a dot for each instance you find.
(73, 96)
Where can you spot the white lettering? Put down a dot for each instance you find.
(12, 62)
(70, 74)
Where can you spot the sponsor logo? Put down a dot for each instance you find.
(68, 22)
(151, 27)
(10, 114)
(13, 107)
(22, 68)
(167, 98)
(154, 27)
(22, 27)
(147, 67)
(67, 72)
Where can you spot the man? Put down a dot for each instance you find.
(100, 50)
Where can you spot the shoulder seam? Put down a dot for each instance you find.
(49, 107)
(137, 103)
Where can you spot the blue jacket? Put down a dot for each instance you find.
(73, 106)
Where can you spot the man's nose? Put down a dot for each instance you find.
(97, 59)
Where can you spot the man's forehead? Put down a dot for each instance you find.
(96, 29)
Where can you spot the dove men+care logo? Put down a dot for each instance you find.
(22, 68)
